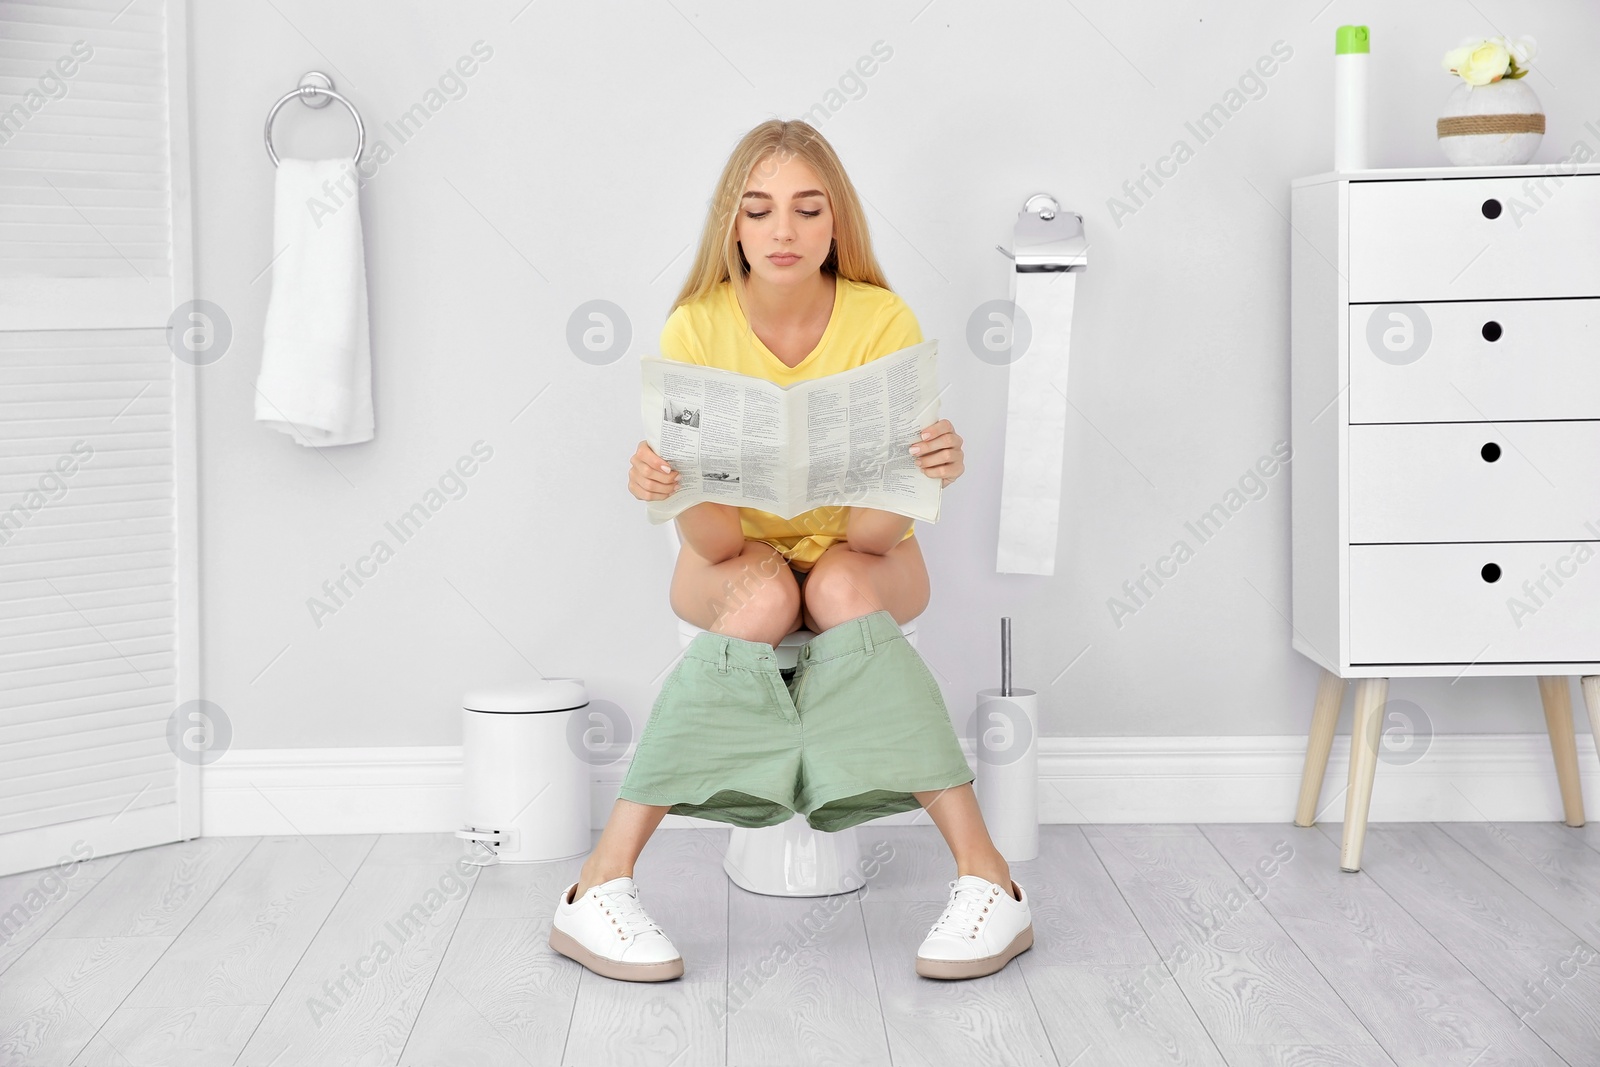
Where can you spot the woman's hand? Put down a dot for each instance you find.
(649, 476)
(939, 453)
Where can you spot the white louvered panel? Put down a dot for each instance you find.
(56, 558)
(122, 602)
(47, 629)
(57, 642)
(88, 607)
(132, 525)
(74, 805)
(94, 698)
(17, 455)
(93, 404)
(85, 195)
(51, 764)
(82, 722)
(60, 778)
(109, 660)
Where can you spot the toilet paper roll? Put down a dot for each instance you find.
(1036, 421)
(1005, 732)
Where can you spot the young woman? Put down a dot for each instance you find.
(785, 287)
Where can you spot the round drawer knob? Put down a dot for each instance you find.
(1491, 208)
(1491, 572)
(1491, 331)
(1490, 452)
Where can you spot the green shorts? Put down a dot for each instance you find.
(859, 728)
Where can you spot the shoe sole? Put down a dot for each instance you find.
(623, 972)
(979, 967)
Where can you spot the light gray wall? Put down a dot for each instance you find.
(576, 167)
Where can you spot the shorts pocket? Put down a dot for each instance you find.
(661, 697)
(921, 667)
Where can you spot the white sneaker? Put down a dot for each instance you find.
(982, 927)
(608, 931)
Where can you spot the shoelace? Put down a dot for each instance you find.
(627, 913)
(967, 909)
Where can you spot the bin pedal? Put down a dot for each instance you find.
(491, 841)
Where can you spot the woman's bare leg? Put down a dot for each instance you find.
(846, 584)
(955, 812)
(628, 828)
(731, 586)
(745, 590)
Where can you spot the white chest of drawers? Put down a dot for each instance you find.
(1445, 406)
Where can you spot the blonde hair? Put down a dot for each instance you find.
(720, 259)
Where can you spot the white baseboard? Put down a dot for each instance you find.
(1461, 778)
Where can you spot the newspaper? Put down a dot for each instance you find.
(838, 440)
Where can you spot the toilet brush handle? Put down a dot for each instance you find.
(1005, 656)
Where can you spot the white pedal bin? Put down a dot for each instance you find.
(525, 785)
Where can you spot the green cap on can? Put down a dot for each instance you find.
(1350, 39)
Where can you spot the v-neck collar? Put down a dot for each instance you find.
(822, 342)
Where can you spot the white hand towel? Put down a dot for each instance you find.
(316, 363)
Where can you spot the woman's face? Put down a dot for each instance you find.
(784, 211)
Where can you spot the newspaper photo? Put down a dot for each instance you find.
(838, 440)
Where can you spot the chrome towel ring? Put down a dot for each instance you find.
(315, 90)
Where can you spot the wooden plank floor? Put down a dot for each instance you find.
(1458, 943)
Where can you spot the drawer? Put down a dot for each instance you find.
(1432, 603)
(1433, 482)
(1435, 362)
(1434, 239)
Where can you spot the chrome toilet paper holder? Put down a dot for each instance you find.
(1047, 238)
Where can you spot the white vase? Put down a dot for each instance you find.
(1488, 125)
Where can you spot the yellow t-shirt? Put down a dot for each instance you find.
(867, 322)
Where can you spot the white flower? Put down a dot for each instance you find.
(1479, 62)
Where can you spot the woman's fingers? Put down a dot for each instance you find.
(647, 460)
(939, 450)
(650, 476)
(940, 456)
(938, 441)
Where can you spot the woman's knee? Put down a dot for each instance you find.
(753, 596)
(837, 592)
(844, 584)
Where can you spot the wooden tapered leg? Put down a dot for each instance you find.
(1324, 717)
(1364, 734)
(1555, 690)
(1591, 700)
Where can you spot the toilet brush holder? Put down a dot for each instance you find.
(1006, 735)
(1005, 739)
